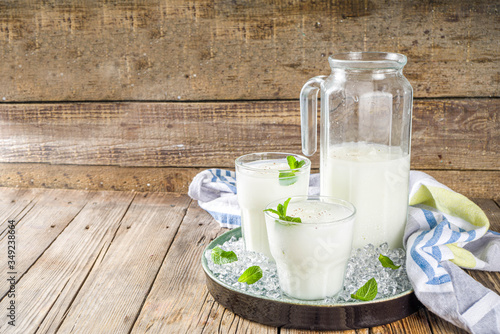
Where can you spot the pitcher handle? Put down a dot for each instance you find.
(309, 114)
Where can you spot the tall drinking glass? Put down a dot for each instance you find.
(260, 179)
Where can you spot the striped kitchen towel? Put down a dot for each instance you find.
(215, 191)
(445, 231)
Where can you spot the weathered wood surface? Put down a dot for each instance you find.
(29, 175)
(130, 263)
(44, 220)
(53, 281)
(14, 203)
(233, 50)
(178, 295)
(141, 243)
(98, 146)
(447, 134)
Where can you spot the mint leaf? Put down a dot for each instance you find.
(251, 275)
(281, 212)
(220, 256)
(287, 178)
(367, 292)
(387, 262)
(292, 162)
(293, 219)
(285, 205)
(273, 211)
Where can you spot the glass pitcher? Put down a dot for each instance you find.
(365, 133)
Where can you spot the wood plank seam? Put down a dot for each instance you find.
(237, 319)
(51, 306)
(159, 268)
(79, 288)
(200, 310)
(220, 321)
(117, 228)
(427, 317)
(146, 101)
(154, 280)
(24, 212)
(21, 213)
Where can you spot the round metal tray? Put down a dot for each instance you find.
(306, 314)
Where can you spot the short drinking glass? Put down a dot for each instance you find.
(311, 255)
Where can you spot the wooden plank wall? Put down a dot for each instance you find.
(144, 94)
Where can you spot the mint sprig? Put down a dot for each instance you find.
(220, 256)
(387, 262)
(288, 178)
(251, 275)
(367, 292)
(281, 212)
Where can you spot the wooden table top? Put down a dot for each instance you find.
(128, 262)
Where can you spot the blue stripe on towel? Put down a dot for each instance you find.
(440, 280)
(437, 253)
(436, 234)
(431, 220)
(218, 177)
(472, 235)
(214, 178)
(419, 259)
(232, 183)
(454, 237)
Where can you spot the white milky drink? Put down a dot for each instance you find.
(375, 179)
(311, 256)
(258, 183)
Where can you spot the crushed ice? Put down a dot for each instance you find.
(362, 266)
